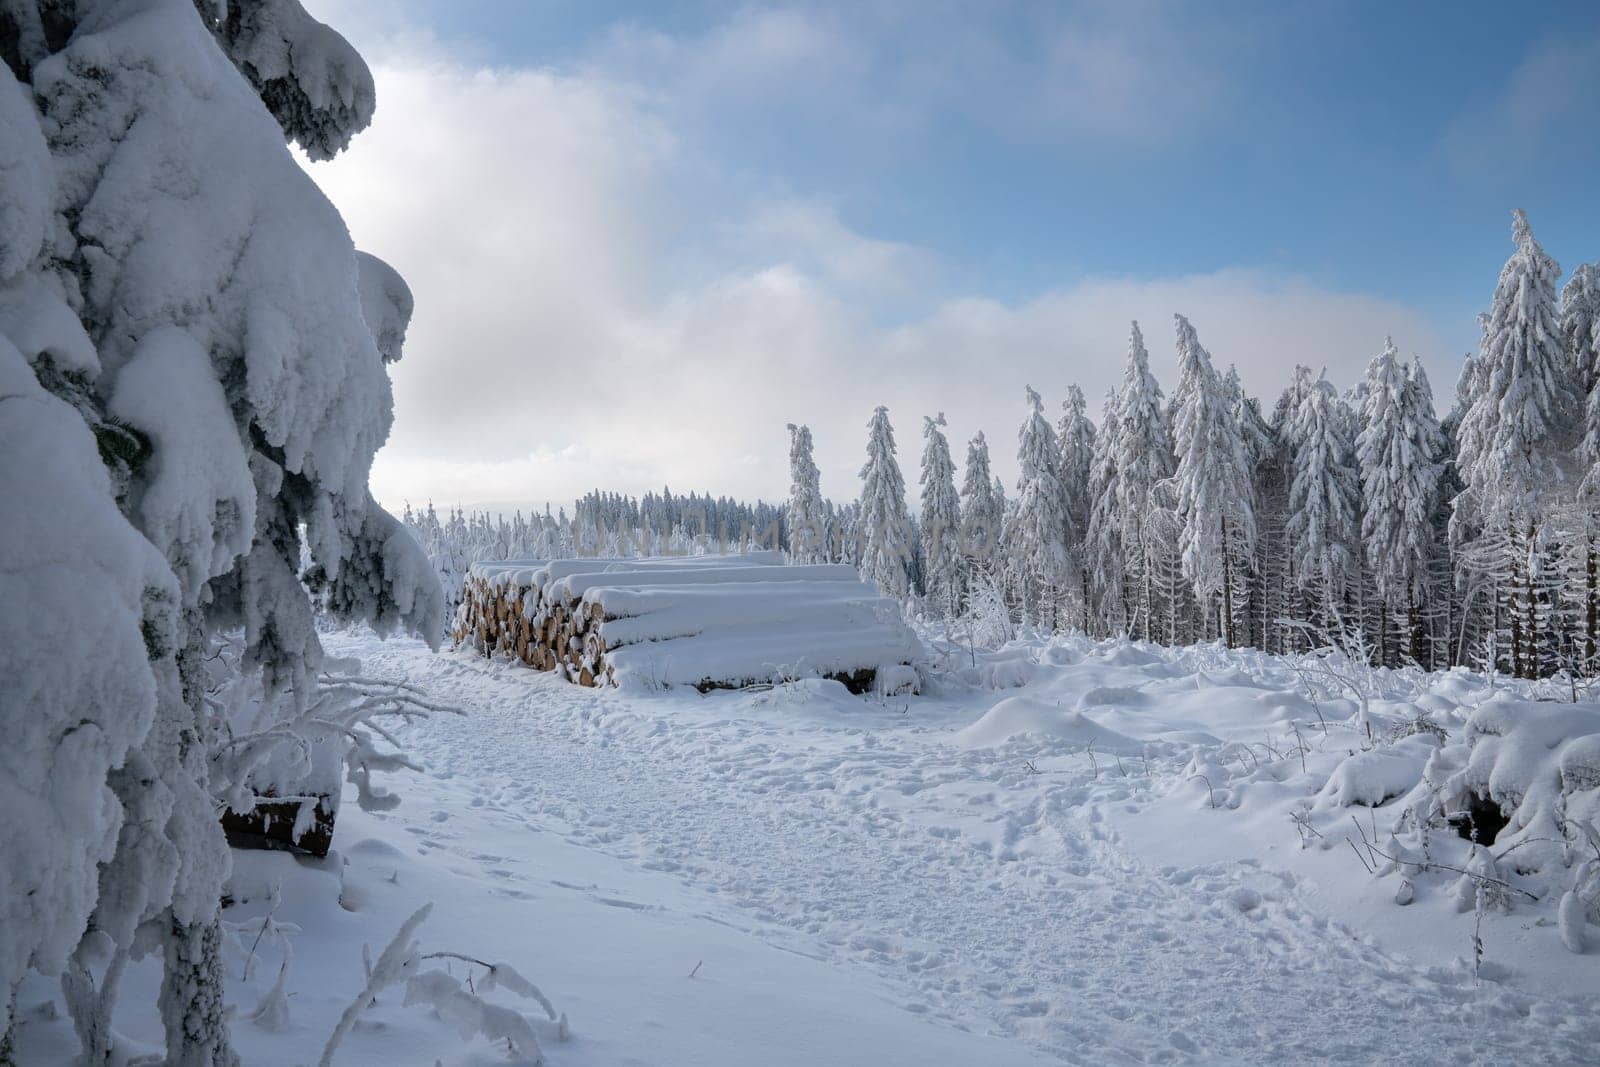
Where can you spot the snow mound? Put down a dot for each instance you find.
(1110, 696)
(1517, 747)
(1128, 654)
(1539, 763)
(1580, 764)
(1018, 716)
(1371, 778)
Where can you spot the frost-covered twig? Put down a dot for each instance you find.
(464, 1008)
(397, 962)
(268, 741)
(1478, 877)
(502, 975)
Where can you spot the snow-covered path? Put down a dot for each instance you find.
(987, 885)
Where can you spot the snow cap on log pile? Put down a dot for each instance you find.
(705, 621)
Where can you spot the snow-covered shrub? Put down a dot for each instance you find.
(987, 618)
(897, 679)
(1378, 775)
(1535, 761)
(191, 378)
(280, 760)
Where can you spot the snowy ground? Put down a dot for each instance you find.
(802, 876)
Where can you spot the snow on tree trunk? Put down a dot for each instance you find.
(192, 1011)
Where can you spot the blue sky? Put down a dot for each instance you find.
(925, 187)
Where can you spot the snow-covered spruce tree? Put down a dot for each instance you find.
(1075, 435)
(981, 510)
(1144, 461)
(1580, 333)
(885, 528)
(1249, 599)
(1399, 452)
(1444, 622)
(1102, 548)
(807, 521)
(1282, 602)
(1580, 328)
(1324, 502)
(1213, 483)
(940, 522)
(1513, 439)
(1438, 622)
(1035, 538)
(194, 359)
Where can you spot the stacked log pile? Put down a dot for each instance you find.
(706, 621)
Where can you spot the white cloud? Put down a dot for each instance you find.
(1544, 109)
(596, 307)
(875, 75)
(1137, 71)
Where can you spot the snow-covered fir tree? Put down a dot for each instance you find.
(981, 510)
(940, 522)
(1144, 461)
(806, 517)
(1075, 435)
(885, 527)
(1102, 547)
(1580, 333)
(1212, 484)
(1514, 436)
(1324, 503)
(1580, 328)
(1036, 532)
(1399, 452)
(1281, 606)
(200, 415)
(1250, 608)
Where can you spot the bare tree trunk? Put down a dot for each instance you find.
(1592, 605)
(1414, 627)
(1083, 583)
(1530, 623)
(1147, 582)
(1383, 633)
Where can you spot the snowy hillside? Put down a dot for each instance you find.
(1131, 855)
